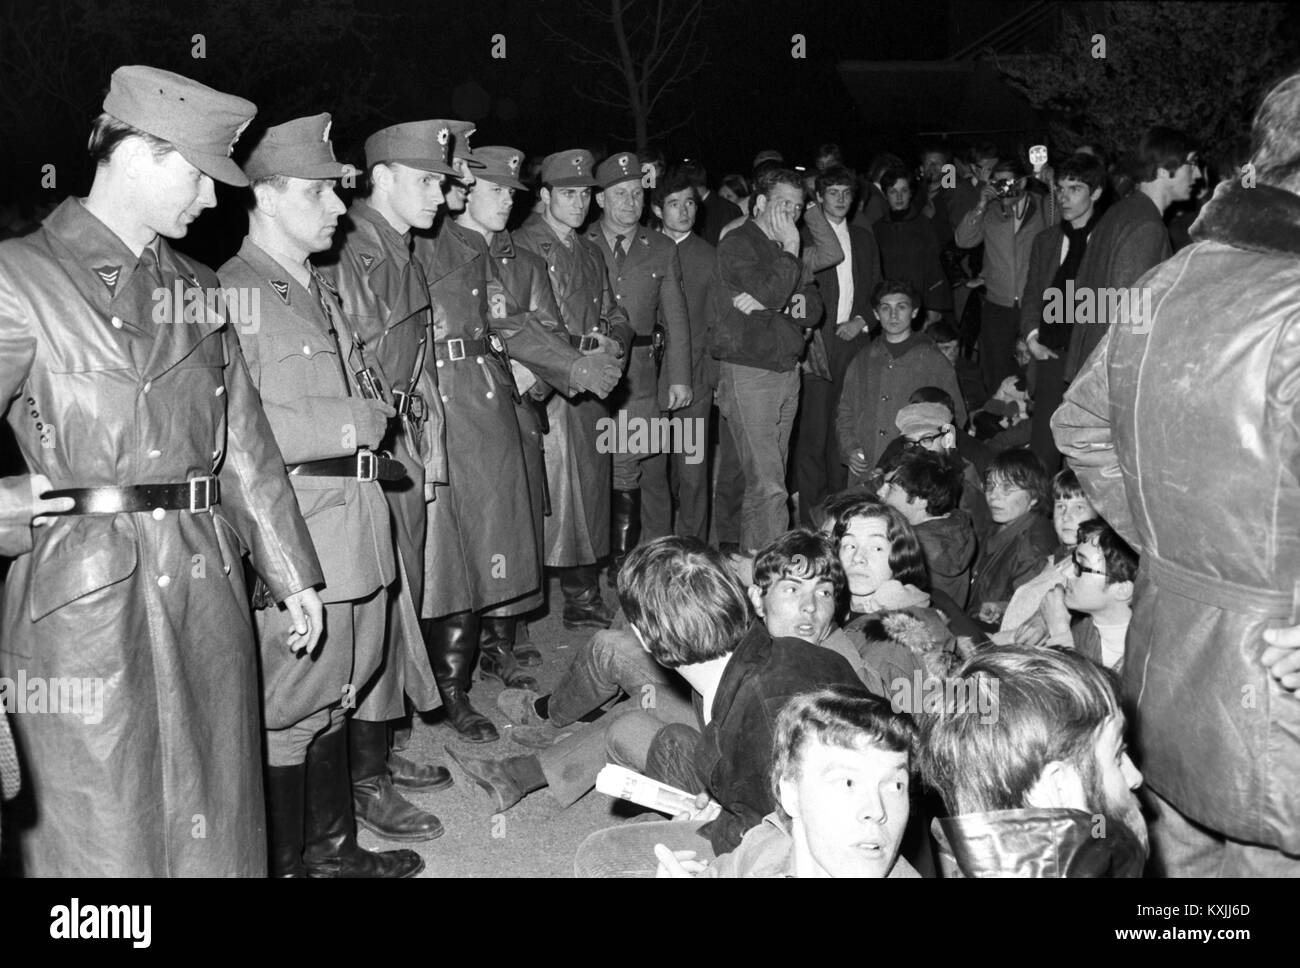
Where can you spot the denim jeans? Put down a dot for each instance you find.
(760, 408)
(609, 663)
(629, 850)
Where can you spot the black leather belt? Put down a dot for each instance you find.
(195, 495)
(647, 340)
(459, 349)
(365, 466)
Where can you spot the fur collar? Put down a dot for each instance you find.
(1259, 219)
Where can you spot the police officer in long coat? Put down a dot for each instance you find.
(480, 547)
(646, 276)
(544, 357)
(384, 294)
(577, 473)
(327, 422)
(133, 399)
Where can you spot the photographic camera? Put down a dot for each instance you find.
(1002, 187)
(369, 383)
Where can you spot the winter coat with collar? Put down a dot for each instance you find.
(909, 250)
(1006, 245)
(118, 384)
(480, 548)
(577, 472)
(1183, 437)
(384, 295)
(1035, 842)
(1012, 555)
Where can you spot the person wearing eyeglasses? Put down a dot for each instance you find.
(1099, 586)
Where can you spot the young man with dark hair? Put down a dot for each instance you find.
(1131, 238)
(841, 770)
(1099, 587)
(675, 204)
(689, 612)
(926, 487)
(715, 212)
(879, 380)
(1054, 262)
(1007, 231)
(846, 292)
(1027, 750)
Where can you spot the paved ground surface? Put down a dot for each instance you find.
(535, 838)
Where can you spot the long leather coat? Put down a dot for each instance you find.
(295, 364)
(1183, 435)
(382, 292)
(579, 476)
(1035, 842)
(112, 389)
(525, 312)
(480, 548)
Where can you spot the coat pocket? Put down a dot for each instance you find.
(74, 570)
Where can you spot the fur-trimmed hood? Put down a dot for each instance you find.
(1259, 219)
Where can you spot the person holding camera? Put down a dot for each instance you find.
(1010, 213)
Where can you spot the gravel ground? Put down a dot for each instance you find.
(535, 838)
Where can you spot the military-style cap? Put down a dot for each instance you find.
(568, 169)
(922, 418)
(417, 144)
(460, 146)
(300, 149)
(501, 165)
(618, 168)
(202, 123)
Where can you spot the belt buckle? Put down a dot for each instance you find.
(367, 466)
(208, 488)
(455, 349)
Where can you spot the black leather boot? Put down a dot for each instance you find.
(496, 653)
(451, 642)
(625, 529)
(331, 839)
(584, 608)
(526, 654)
(377, 804)
(285, 804)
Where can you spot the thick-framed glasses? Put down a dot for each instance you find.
(1080, 568)
(926, 440)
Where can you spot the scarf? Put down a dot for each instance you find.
(1057, 337)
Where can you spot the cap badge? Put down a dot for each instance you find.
(443, 135)
(513, 164)
(577, 162)
(622, 161)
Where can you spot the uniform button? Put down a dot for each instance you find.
(164, 581)
(618, 296)
(883, 397)
(478, 359)
(444, 397)
(159, 514)
(117, 322)
(220, 390)
(306, 350)
(473, 292)
(225, 569)
(155, 453)
(489, 394)
(440, 362)
(148, 386)
(882, 433)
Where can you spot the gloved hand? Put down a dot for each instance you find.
(598, 374)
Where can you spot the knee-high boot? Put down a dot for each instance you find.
(451, 641)
(625, 529)
(496, 653)
(331, 839)
(284, 811)
(377, 804)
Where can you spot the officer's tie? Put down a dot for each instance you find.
(620, 253)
